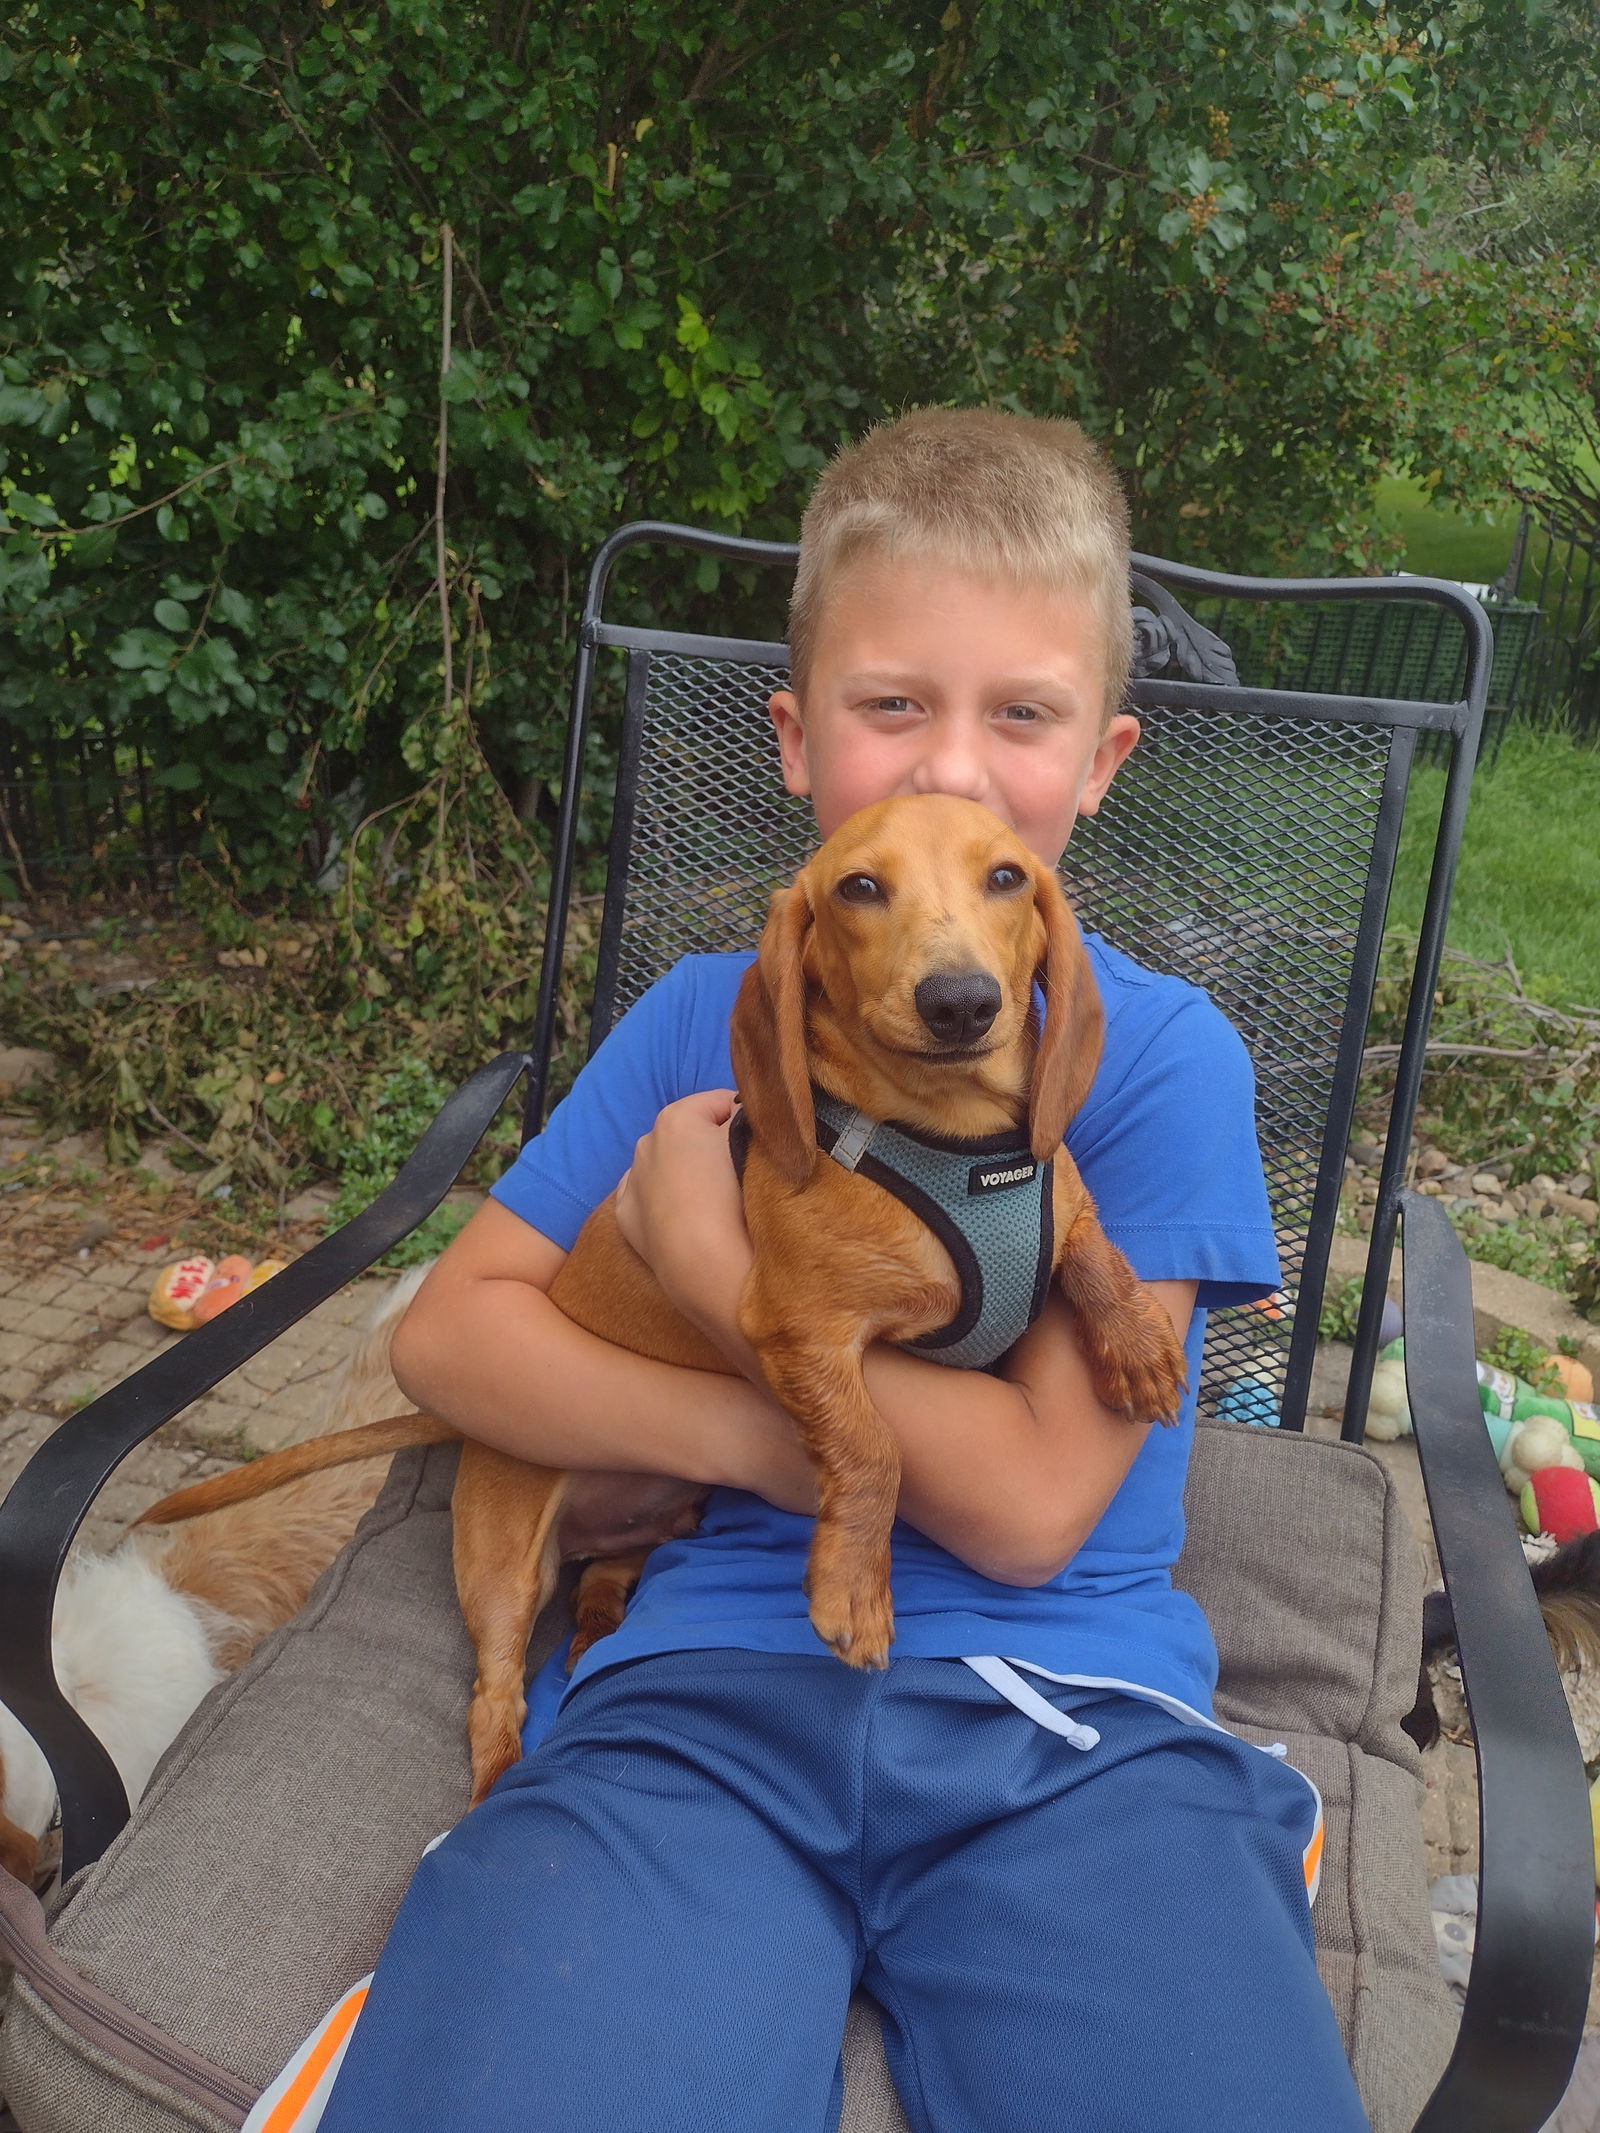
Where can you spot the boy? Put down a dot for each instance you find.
(1076, 1899)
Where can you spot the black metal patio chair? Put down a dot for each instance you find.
(1249, 846)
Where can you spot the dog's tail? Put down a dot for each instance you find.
(257, 1476)
(1567, 1584)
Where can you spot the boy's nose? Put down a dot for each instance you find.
(959, 1007)
(956, 772)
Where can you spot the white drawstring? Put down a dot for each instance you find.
(1031, 1704)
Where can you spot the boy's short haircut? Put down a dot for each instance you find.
(1024, 498)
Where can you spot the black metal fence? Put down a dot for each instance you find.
(84, 808)
(1408, 649)
(1556, 571)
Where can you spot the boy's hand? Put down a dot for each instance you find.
(680, 1208)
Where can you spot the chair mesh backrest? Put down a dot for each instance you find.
(1233, 851)
(714, 832)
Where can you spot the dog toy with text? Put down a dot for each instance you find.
(191, 1292)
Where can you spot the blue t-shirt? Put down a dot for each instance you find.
(1166, 1144)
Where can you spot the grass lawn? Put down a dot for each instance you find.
(1445, 543)
(1529, 875)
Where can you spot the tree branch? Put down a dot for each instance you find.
(447, 239)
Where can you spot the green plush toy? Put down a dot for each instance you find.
(1529, 1430)
(1534, 1430)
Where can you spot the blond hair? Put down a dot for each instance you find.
(1024, 498)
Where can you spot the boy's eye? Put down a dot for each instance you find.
(1023, 714)
(861, 889)
(1005, 881)
(891, 704)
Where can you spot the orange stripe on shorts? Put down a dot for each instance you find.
(296, 2096)
(1312, 1860)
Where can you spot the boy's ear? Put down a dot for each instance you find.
(783, 708)
(1068, 1056)
(1116, 744)
(768, 1038)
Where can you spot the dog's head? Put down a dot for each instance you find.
(910, 943)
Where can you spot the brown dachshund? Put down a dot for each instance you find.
(896, 975)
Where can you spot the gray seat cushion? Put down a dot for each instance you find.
(259, 1877)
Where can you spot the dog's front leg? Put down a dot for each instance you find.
(857, 1457)
(1135, 1359)
(507, 1516)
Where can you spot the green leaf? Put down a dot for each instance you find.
(20, 408)
(93, 548)
(141, 648)
(585, 309)
(171, 616)
(32, 510)
(179, 777)
(463, 380)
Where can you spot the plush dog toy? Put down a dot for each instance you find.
(191, 1292)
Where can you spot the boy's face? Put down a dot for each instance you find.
(926, 679)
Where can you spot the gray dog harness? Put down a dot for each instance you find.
(987, 1201)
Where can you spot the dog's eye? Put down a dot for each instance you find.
(1005, 880)
(860, 889)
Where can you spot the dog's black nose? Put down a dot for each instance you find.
(958, 1009)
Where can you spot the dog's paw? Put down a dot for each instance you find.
(1142, 1379)
(593, 1624)
(851, 1609)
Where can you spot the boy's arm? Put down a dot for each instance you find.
(1010, 1474)
(485, 1349)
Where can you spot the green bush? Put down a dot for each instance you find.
(407, 1103)
(1514, 1350)
(336, 1024)
(1508, 1078)
(1341, 1307)
(692, 249)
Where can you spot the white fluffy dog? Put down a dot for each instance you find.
(140, 1635)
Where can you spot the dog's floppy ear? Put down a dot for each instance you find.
(19, 1852)
(1074, 1022)
(768, 1036)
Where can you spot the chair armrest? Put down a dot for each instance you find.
(51, 1496)
(1529, 1988)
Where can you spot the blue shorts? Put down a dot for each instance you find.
(657, 1918)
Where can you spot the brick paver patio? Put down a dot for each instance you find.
(70, 1330)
